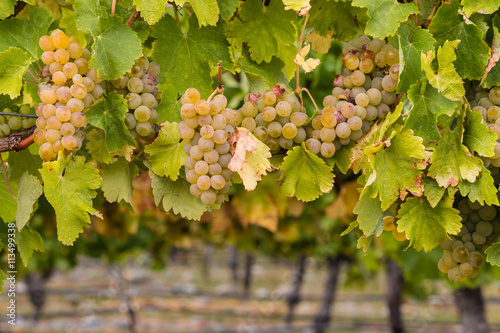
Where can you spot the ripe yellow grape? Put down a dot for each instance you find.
(70, 69)
(48, 96)
(46, 43)
(78, 91)
(53, 123)
(69, 142)
(63, 113)
(75, 50)
(61, 40)
(67, 129)
(61, 56)
(78, 119)
(59, 78)
(48, 57)
(47, 152)
(39, 137)
(52, 135)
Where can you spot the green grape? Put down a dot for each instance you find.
(371, 113)
(389, 84)
(347, 110)
(63, 113)
(470, 246)
(298, 118)
(69, 142)
(208, 197)
(269, 113)
(143, 113)
(218, 182)
(192, 176)
(484, 228)
(52, 135)
(350, 61)
(448, 260)
(327, 134)
(15, 123)
(354, 123)
(203, 182)
(223, 148)
(454, 274)
(269, 98)
(204, 120)
(285, 143)
(196, 152)
(273, 143)
(214, 169)
(201, 168)
(358, 78)
(300, 136)
(464, 207)
(478, 239)
(207, 131)
(283, 109)
(219, 137)
(135, 85)
(382, 110)
(224, 160)
(289, 131)
(195, 190)
(211, 156)
(494, 95)
(475, 259)
(343, 130)
(313, 145)
(261, 133)
(487, 213)
(274, 129)
(375, 96)
(362, 99)
(206, 144)
(145, 129)
(249, 123)
(327, 149)
(249, 109)
(189, 162)
(219, 122)
(185, 131)
(366, 66)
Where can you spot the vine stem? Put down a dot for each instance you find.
(6, 178)
(113, 7)
(417, 16)
(18, 115)
(220, 87)
(219, 64)
(39, 67)
(310, 96)
(135, 15)
(34, 76)
(176, 12)
(297, 71)
(431, 15)
(17, 141)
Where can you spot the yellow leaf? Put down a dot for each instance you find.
(319, 43)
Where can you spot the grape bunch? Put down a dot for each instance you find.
(206, 127)
(69, 89)
(463, 253)
(390, 224)
(13, 124)
(138, 86)
(488, 104)
(362, 94)
(274, 117)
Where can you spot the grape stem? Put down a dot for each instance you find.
(176, 12)
(310, 96)
(34, 76)
(417, 16)
(6, 178)
(18, 115)
(431, 16)
(17, 141)
(113, 7)
(135, 15)
(219, 64)
(396, 102)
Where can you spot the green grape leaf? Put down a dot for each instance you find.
(271, 72)
(385, 15)
(342, 158)
(484, 6)
(448, 25)
(264, 29)
(96, 146)
(250, 158)
(117, 180)
(166, 153)
(401, 156)
(28, 241)
(297, 5)
(425, 107)
(169, 108)
(150, 10)
(227, 8)
(108, 57)
(88, 15)
(69, 185)
(68, 23)
(8, 205)
(24, 34)
(447, 80)
(482, 190)
(491, 76)
(29, 190)
(109, 114)
(477, 136)
(6, 8)
(339, 18)
(23, 161)
(433, 192)
(185, 59)
(425, 226)
(175, 196)
(207, 11)
(412, 42)
(493, 254)
(451, 161)
(13, 64)
(305, 175)
(370, 215)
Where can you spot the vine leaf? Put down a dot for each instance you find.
(427, 104)
(300, 6)
(484, 6)
(108, 57)
(109, 114)
(320, 44)
(447, 80)
(412, 42)
(3, 277)
(166, 153)
(7, 8)
(68, 23)
(117, 181)
(23, 161)
(305, 175)
(69, 186)
(175, 196)
(207, 11)
(370, 215)
(425, 226)
(151, 10)
(451, 161)
(401, 156)
(13, 64)
(433, 192)
(271, 72)
(264, 29)
(29, 190)
(185, 59)
(227, 8)
(491, 76)
(342, 158)
(338, 18)
(385, 15)
(477, 136)
(28, 241)
(88, 14)
(250, 158)
(448, 25)
(24, 33)
(96, 146)
(482, 190)
(493, 254)
(8, 205)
